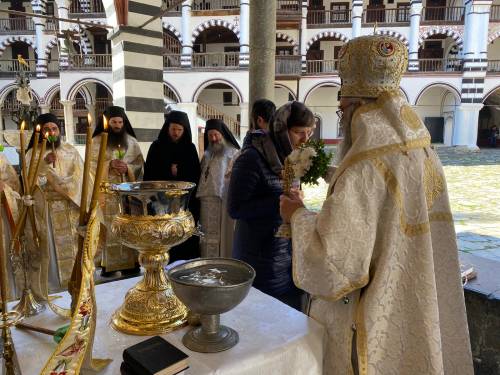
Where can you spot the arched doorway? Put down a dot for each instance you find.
(173, 49)
(11, 110)
(439, 53)
(489, 116)
(216, 47)
(436, 105)
(322, 56)
(282, 95)
(9, 64)
(322, 100)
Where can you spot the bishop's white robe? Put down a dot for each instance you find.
(217, 226)
(57, 201)
(8, 214)
(116, 256)
(380, 259)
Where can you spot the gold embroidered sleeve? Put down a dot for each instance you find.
(332, 250)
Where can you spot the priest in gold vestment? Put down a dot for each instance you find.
(10, 187)
(57, 200)
(380, 259)
(124, 163)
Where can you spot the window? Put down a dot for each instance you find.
(227, 98)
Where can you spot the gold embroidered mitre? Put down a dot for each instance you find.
(371, 65)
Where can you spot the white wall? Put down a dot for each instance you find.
(323, 103)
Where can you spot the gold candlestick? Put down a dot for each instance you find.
(23, 156)
(74, 283)
(33, 153)
(285, 230)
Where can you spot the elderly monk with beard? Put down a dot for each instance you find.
(380, 259)
(173, 157)
(220, 149)
(57, 199)
(124, 163)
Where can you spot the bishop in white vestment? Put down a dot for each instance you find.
(380, 259)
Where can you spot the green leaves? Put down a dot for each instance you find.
(320, 162)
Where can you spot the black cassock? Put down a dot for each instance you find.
(161, 155)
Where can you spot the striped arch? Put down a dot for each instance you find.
(494, 35)
(77, 86)
(86, 46)
(326, 34)
(443, 85)
(393, 34)
(51, 93)
(17, 38)
(48, 48)
(9, 88)
(289, 39)
(173, 30)
(442, 30)
(212, 23)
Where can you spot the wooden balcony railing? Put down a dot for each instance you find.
(443, 15)
(89, 62)
(93, 8)
(288, 6)
(10, 105)
(392, 16)
(495, 13)
(207, 112)
(322, 66)
(173, 6)
(494, 66)
(288, 65)
(16, 25)
(216, 60)
(440, 65)
(329, 17)
(52, 25)
(9, 67)
(216, 4)
(172, 60)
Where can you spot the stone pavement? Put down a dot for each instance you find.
(474, 187)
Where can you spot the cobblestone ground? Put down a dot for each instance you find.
(474, 186)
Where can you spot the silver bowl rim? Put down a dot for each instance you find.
(163, 186)
(183, 265)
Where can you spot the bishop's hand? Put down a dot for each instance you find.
(289, 204)
(50, 158)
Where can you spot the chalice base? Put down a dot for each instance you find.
(199, 341)
(28, 305)
(149, 312)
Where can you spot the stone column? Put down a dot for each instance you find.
(303, 37)
(41, 61)
(187, 44)
(138, 67)
(415, 16)
(63, 12)
(244, 33)
(69, 121)
(466, 125)
(191, 110)
(357, 17)
(475, 65)
(44, 108)
(262, 49)
(244, 120)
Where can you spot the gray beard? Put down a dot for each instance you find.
(217, 149)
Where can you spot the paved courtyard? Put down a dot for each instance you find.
(474, 186)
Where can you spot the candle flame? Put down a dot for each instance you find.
(105, 122)
(22, 125)
(38, 128)
(89, 118)
(46, 135)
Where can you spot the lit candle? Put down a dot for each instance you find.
(23, 157)
(40, 157)
(3, 272)
(33, 152)
(100, 165)
(86, 172)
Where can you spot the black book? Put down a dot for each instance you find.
(155, 356)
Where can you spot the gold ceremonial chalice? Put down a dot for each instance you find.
(153, 218)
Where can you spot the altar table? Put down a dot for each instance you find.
(274, 338)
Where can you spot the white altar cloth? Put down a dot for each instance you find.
(274, 338)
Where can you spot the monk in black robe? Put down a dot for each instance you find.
(173, 157)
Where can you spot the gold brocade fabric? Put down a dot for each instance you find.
(8, 214)
(380, 259)
(115, 256)
(57, 206)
